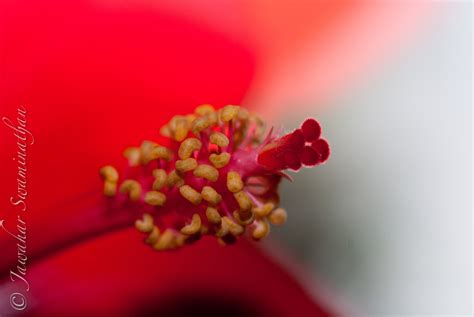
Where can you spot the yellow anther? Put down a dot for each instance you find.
(200, 124)
(187, 148)
(219, 160)
(166, 241)
(133, 155)
(160, 179)
(243, 114)
(244, 201)
(186, 165)
(261, 230)
(234, 182)
(132, 188)
(190, 118)
(174, 121)
(204, 109)
(165, 131)
(212, 118)
(190, 194)
(160, 152)
(182, 129)
(278, 217)
(207, 171)
(210, 195)
(194, 227)
(213, 215)
(146, 149)
(180, 239)
(145, 225)
(229, 112)
(244, 218)
(174, 179)
(109, 173)
(234, 227)
(153, 236)
(264, 210)
(219, 139)
(110, 188)
(155, 198)
(223, 228)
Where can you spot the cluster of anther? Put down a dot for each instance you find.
(216, 175)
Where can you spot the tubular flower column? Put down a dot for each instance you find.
(217, 174)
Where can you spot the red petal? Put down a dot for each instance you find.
(129, 279)
(96, 78)
(321, 146)
(311, 130)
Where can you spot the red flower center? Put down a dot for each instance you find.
(216, 175)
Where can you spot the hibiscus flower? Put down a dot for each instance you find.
(92, 78)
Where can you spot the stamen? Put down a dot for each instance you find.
(212, 118)
(223, 228)
(206, 171)
(154, 236)
(145, 225)
(261, 230)
(146, 149)
(190, 194)
(160, 152)
(244, 201)
(244, 114)
(234, 182)
(213, 215)
(229, 112)
(210, 195)
(160, 179)
(200, 124)
(155, 198)
(193, 227)
(109, 173)
(182, 129)
(233, 227)
(219, 160)
(244, 219)
(187, 148)
(132, 188)
(202, 110)
(219, 139)
(180, 239)
(133, 156)
(227, 171)
(264, 210)
(186, 165)
(166, 241)
(174, 179)
(278, 217)
(166, 131)
(110, 188)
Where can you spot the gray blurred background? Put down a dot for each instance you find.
(387, 222)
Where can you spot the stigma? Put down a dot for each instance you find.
(216, 173)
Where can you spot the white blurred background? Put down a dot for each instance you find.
(387, 222)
